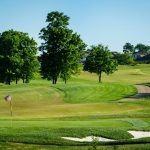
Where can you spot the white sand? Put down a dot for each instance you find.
(139, 134)
(136, 135)
(88, 139)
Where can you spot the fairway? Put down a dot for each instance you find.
(43, 113)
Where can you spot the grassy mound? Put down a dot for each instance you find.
(94, 93)
(43, 113)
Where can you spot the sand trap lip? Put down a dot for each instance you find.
(88, 139)
(139, 134)
(136, 135)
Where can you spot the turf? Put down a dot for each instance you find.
(43, 113)
(18, 146)
(126, 74)
(94, 93)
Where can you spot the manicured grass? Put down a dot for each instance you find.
(40, 99)
(18, 146)
(50, 131)
(93, 93)
(44, 135)
(43, 113)
(46, 123)
(125, 74)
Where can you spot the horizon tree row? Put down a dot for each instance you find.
(61, 53)
(133, 55)
(63, 49)
(138, 48)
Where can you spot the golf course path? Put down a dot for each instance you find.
(143, 91)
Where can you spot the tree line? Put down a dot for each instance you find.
(140, 53)
(61, 53)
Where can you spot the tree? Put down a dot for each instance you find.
(12, 55)
(100, 60)
(124, 58)
(28, 53)
(128, 48)
(144, 60)
(61, 49)
(142, 49)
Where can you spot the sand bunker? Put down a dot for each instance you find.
(139, 134)
(136, 135)
(88, 139)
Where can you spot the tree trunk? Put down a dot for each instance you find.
(23, 79)
(100, 77)
(65, 81)
(27, 79)
(9, 80)
(16, 80)
(5, 80)
(55, 80)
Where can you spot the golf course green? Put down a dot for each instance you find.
(44, 113)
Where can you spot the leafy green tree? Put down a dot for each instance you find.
(61, 49)
(28, 53)
(128, 48)
(100, 60)
(142, 49)
(9, 56)
(124, 58)
(12, 58)
(144, 60)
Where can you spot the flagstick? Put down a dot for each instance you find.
(11, 112)
(8, 99)
(10, 108)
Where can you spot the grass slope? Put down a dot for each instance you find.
(39, 99)
(43, 113)
(18, 146)
(93, 93)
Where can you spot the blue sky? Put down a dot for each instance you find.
(107, 22)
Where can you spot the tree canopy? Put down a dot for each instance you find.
(17, 56)
(128, 48)
(100, 60)
(142, 49)
(61, 48)
(124, 58)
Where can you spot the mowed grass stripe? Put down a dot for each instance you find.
(43, 100)
(112, 123)
(64, 110)
(93, 93)
(40, 109)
